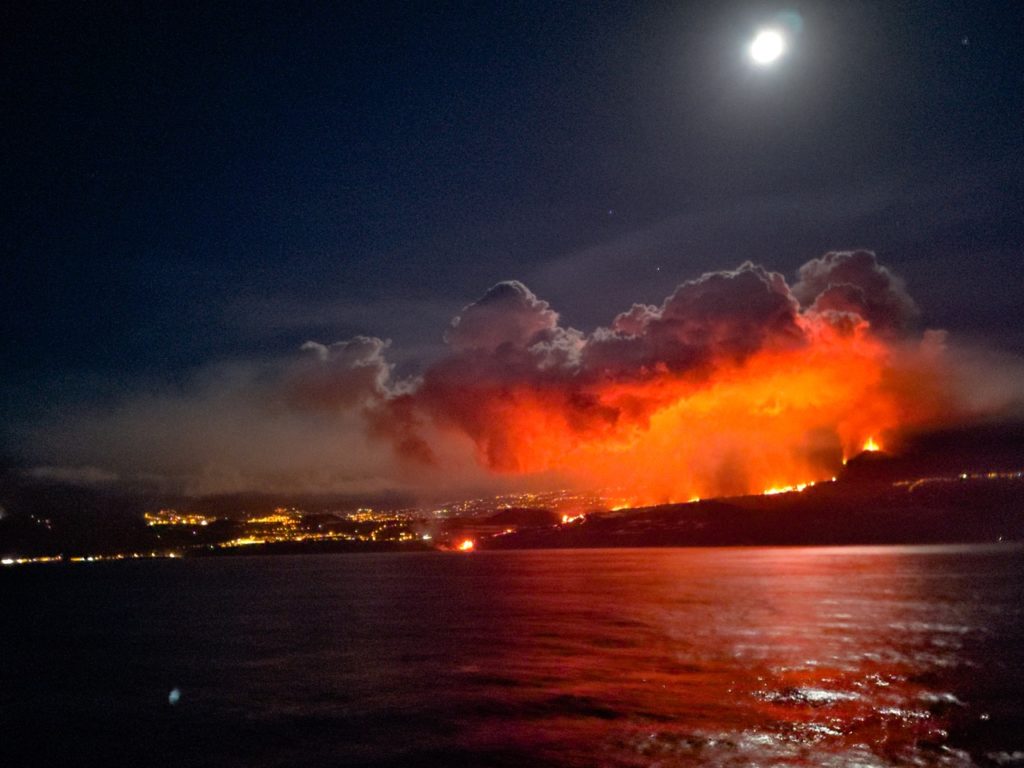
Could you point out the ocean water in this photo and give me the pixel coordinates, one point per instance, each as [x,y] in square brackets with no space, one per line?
[887,656]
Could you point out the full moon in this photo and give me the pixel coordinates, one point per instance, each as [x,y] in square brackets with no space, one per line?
[767,46]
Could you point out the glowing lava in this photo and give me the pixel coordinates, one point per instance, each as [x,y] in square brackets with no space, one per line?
[775,490]
[871,446]
[466,545]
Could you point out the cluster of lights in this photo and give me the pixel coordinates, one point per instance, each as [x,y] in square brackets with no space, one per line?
[26,560]
[556,500]
[369,515]
[306,536]
[912,485]
[288,519]
[280,516]
[89,558]
[173,517]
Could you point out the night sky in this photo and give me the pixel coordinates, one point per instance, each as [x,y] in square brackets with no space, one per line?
[194,191]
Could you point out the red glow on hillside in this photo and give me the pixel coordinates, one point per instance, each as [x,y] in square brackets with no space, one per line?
[778,420]
[736,384]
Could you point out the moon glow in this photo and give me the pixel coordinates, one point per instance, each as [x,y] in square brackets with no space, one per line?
[767,46]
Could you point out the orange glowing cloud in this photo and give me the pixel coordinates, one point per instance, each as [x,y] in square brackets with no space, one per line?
[737,383]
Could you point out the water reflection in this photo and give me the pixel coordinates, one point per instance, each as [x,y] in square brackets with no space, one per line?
[738,657]
[620,658]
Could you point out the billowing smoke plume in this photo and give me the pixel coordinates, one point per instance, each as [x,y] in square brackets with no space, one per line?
[736,383]
[856,284]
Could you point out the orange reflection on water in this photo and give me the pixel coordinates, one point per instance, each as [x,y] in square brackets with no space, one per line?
[736,656]
[830,665]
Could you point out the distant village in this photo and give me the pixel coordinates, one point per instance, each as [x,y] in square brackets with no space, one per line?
[456,526]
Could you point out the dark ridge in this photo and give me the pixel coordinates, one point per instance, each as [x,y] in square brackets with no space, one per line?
[947,510]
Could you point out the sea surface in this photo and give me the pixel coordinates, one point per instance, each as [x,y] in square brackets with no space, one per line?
[880,656]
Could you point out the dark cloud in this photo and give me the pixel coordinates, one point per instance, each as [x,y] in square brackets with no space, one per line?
[721,315]
[854,283]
